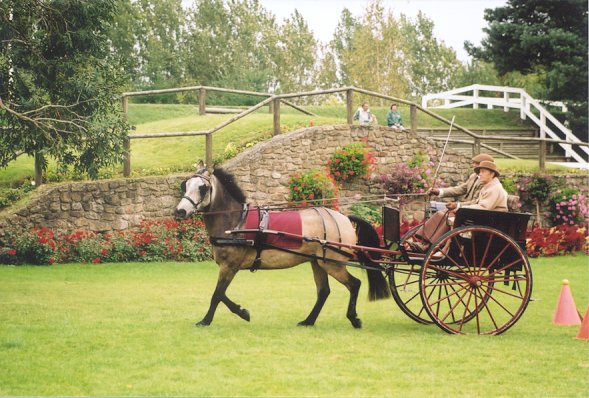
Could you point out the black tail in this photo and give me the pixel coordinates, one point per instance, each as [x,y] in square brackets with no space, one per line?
[367,236]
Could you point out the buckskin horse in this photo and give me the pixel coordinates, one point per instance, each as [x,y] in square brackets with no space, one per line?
[223,207]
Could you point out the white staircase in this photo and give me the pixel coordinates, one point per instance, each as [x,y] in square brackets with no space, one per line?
[511,97]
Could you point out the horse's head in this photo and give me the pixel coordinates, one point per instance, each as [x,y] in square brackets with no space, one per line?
[197,192]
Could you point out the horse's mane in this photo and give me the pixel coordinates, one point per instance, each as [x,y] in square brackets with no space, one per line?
[228,181]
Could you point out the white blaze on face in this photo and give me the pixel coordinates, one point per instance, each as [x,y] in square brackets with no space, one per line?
[196,189]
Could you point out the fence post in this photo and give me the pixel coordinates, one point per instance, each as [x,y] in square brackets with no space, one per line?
[542,155]
[126,142]
[202,100]
[413,118]
[276,113]
[475,99]
[522,103]
[38,169]
[476,147]
[209,150]
[350,106]
[506,99]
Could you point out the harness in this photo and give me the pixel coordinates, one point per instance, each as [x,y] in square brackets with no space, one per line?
[260,243]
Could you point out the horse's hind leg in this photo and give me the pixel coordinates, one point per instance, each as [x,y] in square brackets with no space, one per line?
[341,274]
[322,283]
[225,277]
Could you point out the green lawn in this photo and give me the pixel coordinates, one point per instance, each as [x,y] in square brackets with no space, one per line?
[128,330]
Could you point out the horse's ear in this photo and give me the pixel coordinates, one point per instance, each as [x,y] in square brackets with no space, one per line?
[201,168]
[183,186]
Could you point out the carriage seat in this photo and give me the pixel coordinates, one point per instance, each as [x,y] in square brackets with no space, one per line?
[513,224]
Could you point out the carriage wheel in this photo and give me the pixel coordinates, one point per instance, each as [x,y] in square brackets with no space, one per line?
[404,285]
[484,283]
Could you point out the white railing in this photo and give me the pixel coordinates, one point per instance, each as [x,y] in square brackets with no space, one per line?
[521,100]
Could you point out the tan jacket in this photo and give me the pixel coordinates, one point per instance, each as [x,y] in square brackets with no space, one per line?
[492,196]
[466,193]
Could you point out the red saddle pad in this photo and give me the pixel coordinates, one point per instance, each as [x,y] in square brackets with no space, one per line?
[283,221]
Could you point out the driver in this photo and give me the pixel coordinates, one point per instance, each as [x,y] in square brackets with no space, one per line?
[492,196]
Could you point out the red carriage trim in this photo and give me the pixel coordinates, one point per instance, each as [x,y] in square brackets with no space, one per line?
[283,221]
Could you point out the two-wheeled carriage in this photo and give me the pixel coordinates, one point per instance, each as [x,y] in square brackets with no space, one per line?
[474,279]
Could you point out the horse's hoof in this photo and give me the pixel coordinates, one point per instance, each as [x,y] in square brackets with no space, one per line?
[356,323]
[202,323]
[305,323]
[244,314]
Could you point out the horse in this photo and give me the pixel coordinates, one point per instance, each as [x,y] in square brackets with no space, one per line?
[221,202]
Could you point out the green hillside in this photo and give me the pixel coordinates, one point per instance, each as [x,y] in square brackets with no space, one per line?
[166,155]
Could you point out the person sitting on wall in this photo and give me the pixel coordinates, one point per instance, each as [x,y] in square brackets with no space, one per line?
[364,116]
[465,193]
[492,196]
[394,118]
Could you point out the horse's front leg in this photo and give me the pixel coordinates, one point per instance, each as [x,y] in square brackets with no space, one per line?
[226,275]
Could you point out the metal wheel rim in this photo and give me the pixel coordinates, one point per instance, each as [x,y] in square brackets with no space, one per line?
[475,299]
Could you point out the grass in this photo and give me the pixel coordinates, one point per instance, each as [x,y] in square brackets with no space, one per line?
[128,330]
[163,156]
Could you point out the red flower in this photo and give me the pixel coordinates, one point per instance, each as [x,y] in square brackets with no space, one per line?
[11,252]
[96,260]
[51,260]
[104,251]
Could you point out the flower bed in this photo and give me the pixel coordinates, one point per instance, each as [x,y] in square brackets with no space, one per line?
[165,240]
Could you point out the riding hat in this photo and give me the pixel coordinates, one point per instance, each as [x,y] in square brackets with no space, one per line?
[486,164]
[482,156]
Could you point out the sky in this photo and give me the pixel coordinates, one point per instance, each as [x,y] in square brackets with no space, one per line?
[454,20]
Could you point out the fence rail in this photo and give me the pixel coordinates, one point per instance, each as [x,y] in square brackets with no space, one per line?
[522,101]
[571,143]
[274,101]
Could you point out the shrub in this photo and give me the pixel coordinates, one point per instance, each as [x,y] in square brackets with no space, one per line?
[413,177]
[351,161]
[10,195]
[568,206]
[555,241]
[35,247]
[509,184]
[534,188]
[369,212]
[312,187]
[163,240]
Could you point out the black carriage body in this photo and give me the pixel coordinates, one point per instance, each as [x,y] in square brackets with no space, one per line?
[513,225]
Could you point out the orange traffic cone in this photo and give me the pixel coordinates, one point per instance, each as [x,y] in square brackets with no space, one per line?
[566,313]
[584,331]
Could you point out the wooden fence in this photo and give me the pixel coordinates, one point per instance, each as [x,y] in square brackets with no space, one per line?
[274,102]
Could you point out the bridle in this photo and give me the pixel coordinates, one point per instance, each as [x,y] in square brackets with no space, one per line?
[210,191]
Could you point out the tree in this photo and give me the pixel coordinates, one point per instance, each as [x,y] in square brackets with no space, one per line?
[546,38]
[159,43]
[374,60]
[341,45]
[295,56]
[58,96]
[429,64]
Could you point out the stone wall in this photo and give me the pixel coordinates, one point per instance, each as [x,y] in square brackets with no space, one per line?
[263,172]
[99,206]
